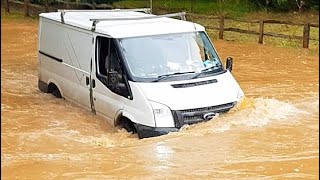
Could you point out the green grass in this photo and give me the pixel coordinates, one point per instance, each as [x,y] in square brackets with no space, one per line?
[236,9]
[14,15]
[131,4]
[291,30]
[11,15]
[233,8]
[204,18]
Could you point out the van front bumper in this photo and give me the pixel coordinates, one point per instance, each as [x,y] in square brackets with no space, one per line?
[182,117]
[147,131]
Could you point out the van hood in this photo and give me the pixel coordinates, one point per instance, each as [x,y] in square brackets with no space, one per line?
[195,93]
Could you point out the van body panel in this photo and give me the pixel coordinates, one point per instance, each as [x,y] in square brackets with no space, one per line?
[74,48]
[225,90]
[105,101]
[138,110]
[124,28]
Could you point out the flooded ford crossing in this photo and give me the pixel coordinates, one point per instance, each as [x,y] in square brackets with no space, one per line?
[272,133]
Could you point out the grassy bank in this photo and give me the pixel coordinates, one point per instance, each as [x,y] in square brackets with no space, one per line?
[233,8]
[274,28]
[206,21]
[15,15]
[236,9]
[11,15]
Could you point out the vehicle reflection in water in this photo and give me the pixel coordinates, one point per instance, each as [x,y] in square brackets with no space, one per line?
[272,134]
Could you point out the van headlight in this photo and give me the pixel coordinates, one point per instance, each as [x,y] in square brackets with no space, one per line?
[240,94]
[162,115]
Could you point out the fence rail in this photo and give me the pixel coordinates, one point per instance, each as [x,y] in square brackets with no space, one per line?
[305,34]
[67,4]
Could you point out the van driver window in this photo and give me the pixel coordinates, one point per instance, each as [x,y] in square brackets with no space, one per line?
[113,62]
[109,70]
[108,59]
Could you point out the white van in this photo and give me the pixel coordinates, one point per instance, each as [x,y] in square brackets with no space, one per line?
[146,73]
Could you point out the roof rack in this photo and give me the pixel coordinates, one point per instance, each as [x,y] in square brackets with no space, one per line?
[182,16]
[64,11]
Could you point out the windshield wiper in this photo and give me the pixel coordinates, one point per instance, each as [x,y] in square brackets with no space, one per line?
[205,70]
[164,76]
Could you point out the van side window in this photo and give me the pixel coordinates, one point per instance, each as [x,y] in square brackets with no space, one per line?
[109,66]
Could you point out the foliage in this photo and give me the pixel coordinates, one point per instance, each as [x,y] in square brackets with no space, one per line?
[88,1]
[231,7]
[100,1]
[236,7]
[286,5]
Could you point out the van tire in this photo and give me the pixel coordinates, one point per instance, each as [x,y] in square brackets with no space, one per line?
[126,124]
[53,89]
[43,86]
[57,93]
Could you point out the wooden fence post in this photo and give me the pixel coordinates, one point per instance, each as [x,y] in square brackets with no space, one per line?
[7,6]
[306,35]
[26,7]
[68,4]
[221,26]
[46,6]
[261,27]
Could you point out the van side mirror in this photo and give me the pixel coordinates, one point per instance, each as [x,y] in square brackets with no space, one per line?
[229,63]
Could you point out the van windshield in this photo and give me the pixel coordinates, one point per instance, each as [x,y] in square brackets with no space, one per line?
[170,54]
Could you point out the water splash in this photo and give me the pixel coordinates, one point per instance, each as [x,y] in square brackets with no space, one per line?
[251,112]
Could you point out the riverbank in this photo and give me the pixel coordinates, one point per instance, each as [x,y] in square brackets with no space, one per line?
[208,21]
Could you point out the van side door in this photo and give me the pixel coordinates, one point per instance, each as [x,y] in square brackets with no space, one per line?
[106,75]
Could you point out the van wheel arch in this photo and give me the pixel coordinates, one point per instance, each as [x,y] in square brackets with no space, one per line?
[127,124]
[53,89]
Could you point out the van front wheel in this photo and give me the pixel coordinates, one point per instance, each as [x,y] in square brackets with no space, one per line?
[126,124]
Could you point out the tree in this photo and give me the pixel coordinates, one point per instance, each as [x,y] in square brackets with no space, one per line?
[286,4]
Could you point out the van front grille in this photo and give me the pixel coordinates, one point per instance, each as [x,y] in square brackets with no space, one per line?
[210,108]
[192,116]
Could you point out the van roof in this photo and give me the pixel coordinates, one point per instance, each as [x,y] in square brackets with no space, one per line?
[124,28]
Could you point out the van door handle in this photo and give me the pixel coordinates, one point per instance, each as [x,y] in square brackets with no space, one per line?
[87,81]
[93,83]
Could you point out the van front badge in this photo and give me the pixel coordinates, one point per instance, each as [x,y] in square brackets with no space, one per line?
[209,116]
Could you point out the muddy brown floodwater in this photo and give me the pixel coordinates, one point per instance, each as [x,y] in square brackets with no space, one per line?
[272,134]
